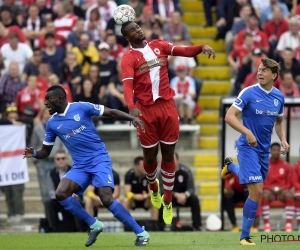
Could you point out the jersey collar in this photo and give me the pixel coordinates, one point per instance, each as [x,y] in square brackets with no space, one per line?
[66,110]
[268,92]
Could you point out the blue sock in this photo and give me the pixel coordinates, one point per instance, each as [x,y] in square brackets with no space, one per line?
[232,167]
[249,214]
[74,207]
[125,217]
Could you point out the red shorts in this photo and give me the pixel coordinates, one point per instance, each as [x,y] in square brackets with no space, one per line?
[161,123]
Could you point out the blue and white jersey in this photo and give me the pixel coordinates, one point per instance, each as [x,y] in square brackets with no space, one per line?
[260,109]
[77,131]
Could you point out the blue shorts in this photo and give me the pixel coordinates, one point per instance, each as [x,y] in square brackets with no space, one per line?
[99,175]
[254,166]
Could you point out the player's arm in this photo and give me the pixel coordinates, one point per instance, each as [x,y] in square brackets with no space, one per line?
[42,153]
[279,128]
[192,51]
[232,120]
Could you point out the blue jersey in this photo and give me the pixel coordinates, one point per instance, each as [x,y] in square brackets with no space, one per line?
[77,131]
[260,109]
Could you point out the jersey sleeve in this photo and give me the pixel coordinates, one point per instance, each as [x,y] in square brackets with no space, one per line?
[242,100]
[49,136]
[92,109]
[127,68]
[167,47]
[281,111]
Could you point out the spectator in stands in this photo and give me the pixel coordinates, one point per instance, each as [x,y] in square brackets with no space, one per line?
[69,73]
[157,30]
[94,77]
[259,6]
[136,189]
[290,39]
[234,192]
[92,200]
[73,39]
[45,10]
[32,67]
[138,7]
[58,218]
[54,80]
[176,27]
[10,85]
[33,26]
[29,103]
[87,93]
[43,76]
[85,54]
[17,12]
[11,117]
[185,92]
[148,16]
[52,54]
[277,187]
[66,21]
[15,51]
[290,89]
[113,28]
[116,49]
[6,32]
[207,5]
[96,27]
[6,17]
[274,28]
[236,57]
[184,192]
[44,166]
[288,62]
[268,13]
[296,185]
[60,41]
[163,10]
[106,9]
[259,37]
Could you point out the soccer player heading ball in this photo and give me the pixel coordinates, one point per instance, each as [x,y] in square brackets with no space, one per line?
[262,106]
[72,123]
[145,78]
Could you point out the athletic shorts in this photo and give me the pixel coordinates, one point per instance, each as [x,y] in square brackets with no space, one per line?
[99,175]
[254,166]
[161,123]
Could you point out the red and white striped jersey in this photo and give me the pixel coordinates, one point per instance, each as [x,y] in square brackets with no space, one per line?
[65,25]
[148,68]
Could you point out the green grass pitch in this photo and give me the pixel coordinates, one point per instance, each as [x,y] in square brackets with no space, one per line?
[124,241]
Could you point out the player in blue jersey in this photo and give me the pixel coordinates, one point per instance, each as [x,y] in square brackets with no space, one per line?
[261,106]
[72,123]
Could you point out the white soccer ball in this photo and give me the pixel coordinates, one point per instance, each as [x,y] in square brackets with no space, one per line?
[123,14]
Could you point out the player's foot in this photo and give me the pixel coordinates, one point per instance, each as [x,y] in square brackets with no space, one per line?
[225,172]
[253,229]
[142,239]
[156,199]
[235,229]
[95,230]
[247,242]
[267,227]
[288,227]
[167,212]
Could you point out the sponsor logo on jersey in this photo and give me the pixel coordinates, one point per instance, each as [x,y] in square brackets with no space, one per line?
[152,64]
[266,112]
[77,118]
[238,101]
[74,132]
[255,178]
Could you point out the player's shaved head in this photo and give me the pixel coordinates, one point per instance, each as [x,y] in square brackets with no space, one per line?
[124,28]
[57,91]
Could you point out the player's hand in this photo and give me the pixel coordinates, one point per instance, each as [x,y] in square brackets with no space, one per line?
[28,153]
[138,123]
[181,198]
[135,112]
[138,197]
[209,51]
[251,139]
[286,147]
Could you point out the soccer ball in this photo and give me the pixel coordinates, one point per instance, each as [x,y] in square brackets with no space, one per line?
[123,14]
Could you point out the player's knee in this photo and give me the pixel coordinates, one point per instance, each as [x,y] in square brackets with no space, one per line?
[60,196]
[107,200]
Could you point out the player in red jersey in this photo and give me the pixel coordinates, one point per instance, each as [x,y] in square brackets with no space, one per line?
[296,185]
[145,78]
[277,187]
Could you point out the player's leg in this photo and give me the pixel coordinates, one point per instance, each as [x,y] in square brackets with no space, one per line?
[120,213]
[267,197]
[194,204]
[297,205]
[287,197]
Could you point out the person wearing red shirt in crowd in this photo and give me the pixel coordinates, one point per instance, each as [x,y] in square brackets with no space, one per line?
[43,77]
[236,56]
[28,102]
[116,49]
[234,192]
[5,32]
[277,187]
[259,37]
[145,78]
[296,185]
[60,41]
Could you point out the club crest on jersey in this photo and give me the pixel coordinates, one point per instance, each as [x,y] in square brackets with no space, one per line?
[77,118]
[97,106]
[157,51]
[276,102]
